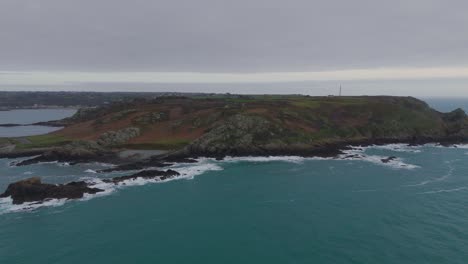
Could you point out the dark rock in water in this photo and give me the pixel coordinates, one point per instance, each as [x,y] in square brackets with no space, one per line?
[155,161]
[146,174]
[387,160]
[352,156]
[33,190]
[135,166]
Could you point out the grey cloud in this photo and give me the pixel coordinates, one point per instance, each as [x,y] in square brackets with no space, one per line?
[230,36]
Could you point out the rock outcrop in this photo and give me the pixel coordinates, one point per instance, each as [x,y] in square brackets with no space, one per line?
[389,159]
[75,152]
[33,190]
[122,136]
[238,134]
[146,174]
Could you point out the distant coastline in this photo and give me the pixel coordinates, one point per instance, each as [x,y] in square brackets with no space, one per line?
[40,107]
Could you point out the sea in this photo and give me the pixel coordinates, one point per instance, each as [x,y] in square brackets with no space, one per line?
[254,210]
[30,116]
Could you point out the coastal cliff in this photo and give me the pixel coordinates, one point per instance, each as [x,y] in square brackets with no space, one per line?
[179,129]
[251,125]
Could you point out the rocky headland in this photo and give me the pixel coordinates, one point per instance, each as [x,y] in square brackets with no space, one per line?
[187,128]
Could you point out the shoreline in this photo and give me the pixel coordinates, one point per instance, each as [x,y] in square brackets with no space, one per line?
[147,174]
[48,123]
[40,108]
[325,150]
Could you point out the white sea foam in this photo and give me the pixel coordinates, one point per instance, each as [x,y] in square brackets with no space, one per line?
[7,206]
[190,170]
[358,153]
[439,179]
[292,159]
[446,190]
[102,164]
[454,146]
[187,171]
[397,148]
[28,172]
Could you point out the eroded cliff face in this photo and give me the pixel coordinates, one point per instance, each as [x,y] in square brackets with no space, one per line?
[391,120]
[238,134]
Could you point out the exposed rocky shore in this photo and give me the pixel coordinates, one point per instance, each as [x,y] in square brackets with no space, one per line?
[308,127]
[33,190]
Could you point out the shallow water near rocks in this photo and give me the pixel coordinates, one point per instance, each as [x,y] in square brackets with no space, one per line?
[256,210]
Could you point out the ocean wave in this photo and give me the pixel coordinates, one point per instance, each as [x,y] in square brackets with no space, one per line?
[446,190]
[454,146]
[7,206]
[358,153]
[102,164]
[397,148]
[439,179]
[190,171]
[203,165]
[461,146]
[292,159]
[186,170]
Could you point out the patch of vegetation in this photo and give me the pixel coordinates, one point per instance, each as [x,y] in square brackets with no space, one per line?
[41,141]
[4,141]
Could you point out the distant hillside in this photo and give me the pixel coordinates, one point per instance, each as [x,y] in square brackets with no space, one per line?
[263,124]
[10,100]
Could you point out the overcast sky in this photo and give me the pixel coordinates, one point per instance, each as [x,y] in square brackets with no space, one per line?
[419,45]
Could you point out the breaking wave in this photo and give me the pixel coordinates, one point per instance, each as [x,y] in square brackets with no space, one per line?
[439,179]
[203,165]
[358,153]
[187,171]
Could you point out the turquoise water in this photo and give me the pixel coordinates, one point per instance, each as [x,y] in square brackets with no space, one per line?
[286,210]
[254,210]
[30,116]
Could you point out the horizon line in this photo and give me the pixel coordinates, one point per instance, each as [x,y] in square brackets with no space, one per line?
[15,78]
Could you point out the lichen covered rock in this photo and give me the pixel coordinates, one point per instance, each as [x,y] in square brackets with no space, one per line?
[119,137]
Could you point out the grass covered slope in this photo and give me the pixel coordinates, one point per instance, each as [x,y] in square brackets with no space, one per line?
[264,124]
